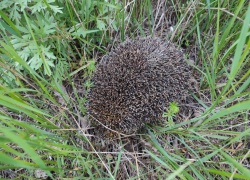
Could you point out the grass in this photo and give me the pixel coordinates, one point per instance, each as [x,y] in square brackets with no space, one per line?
[48,54]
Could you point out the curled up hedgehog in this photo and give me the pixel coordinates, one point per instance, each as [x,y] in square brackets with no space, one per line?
[134,84]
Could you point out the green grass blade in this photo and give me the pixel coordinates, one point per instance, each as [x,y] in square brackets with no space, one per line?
[11,24]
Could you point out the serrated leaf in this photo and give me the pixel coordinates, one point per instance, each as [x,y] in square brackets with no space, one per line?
[6,4]
[56,9]
[100,25]
[14,12]
[114,26]
[37,7]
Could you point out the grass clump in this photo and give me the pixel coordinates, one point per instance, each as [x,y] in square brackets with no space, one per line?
[48,51]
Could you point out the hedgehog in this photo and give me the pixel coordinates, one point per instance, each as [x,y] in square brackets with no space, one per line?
[134,84]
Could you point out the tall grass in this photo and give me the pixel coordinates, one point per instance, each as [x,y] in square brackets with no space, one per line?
[41,50]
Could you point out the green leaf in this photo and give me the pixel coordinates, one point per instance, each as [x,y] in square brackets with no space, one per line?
[84,32]
[9,160]
[178,171]
[13,28]
[100,25]
[9,29]
[14,90]
[111,5]
[241,168]
[236,108]
[227,174]
[240,46]
[15,138]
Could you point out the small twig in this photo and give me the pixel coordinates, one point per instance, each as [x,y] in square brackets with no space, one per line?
[77,14]
[96,153]
[106,126]
[73,129]
[224,10]
[173,34]
[137,168]
[233,126]
[130,153]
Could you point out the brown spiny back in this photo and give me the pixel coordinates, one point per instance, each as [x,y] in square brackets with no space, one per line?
[134,84]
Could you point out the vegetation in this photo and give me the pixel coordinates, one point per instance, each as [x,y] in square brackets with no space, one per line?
[48,51]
